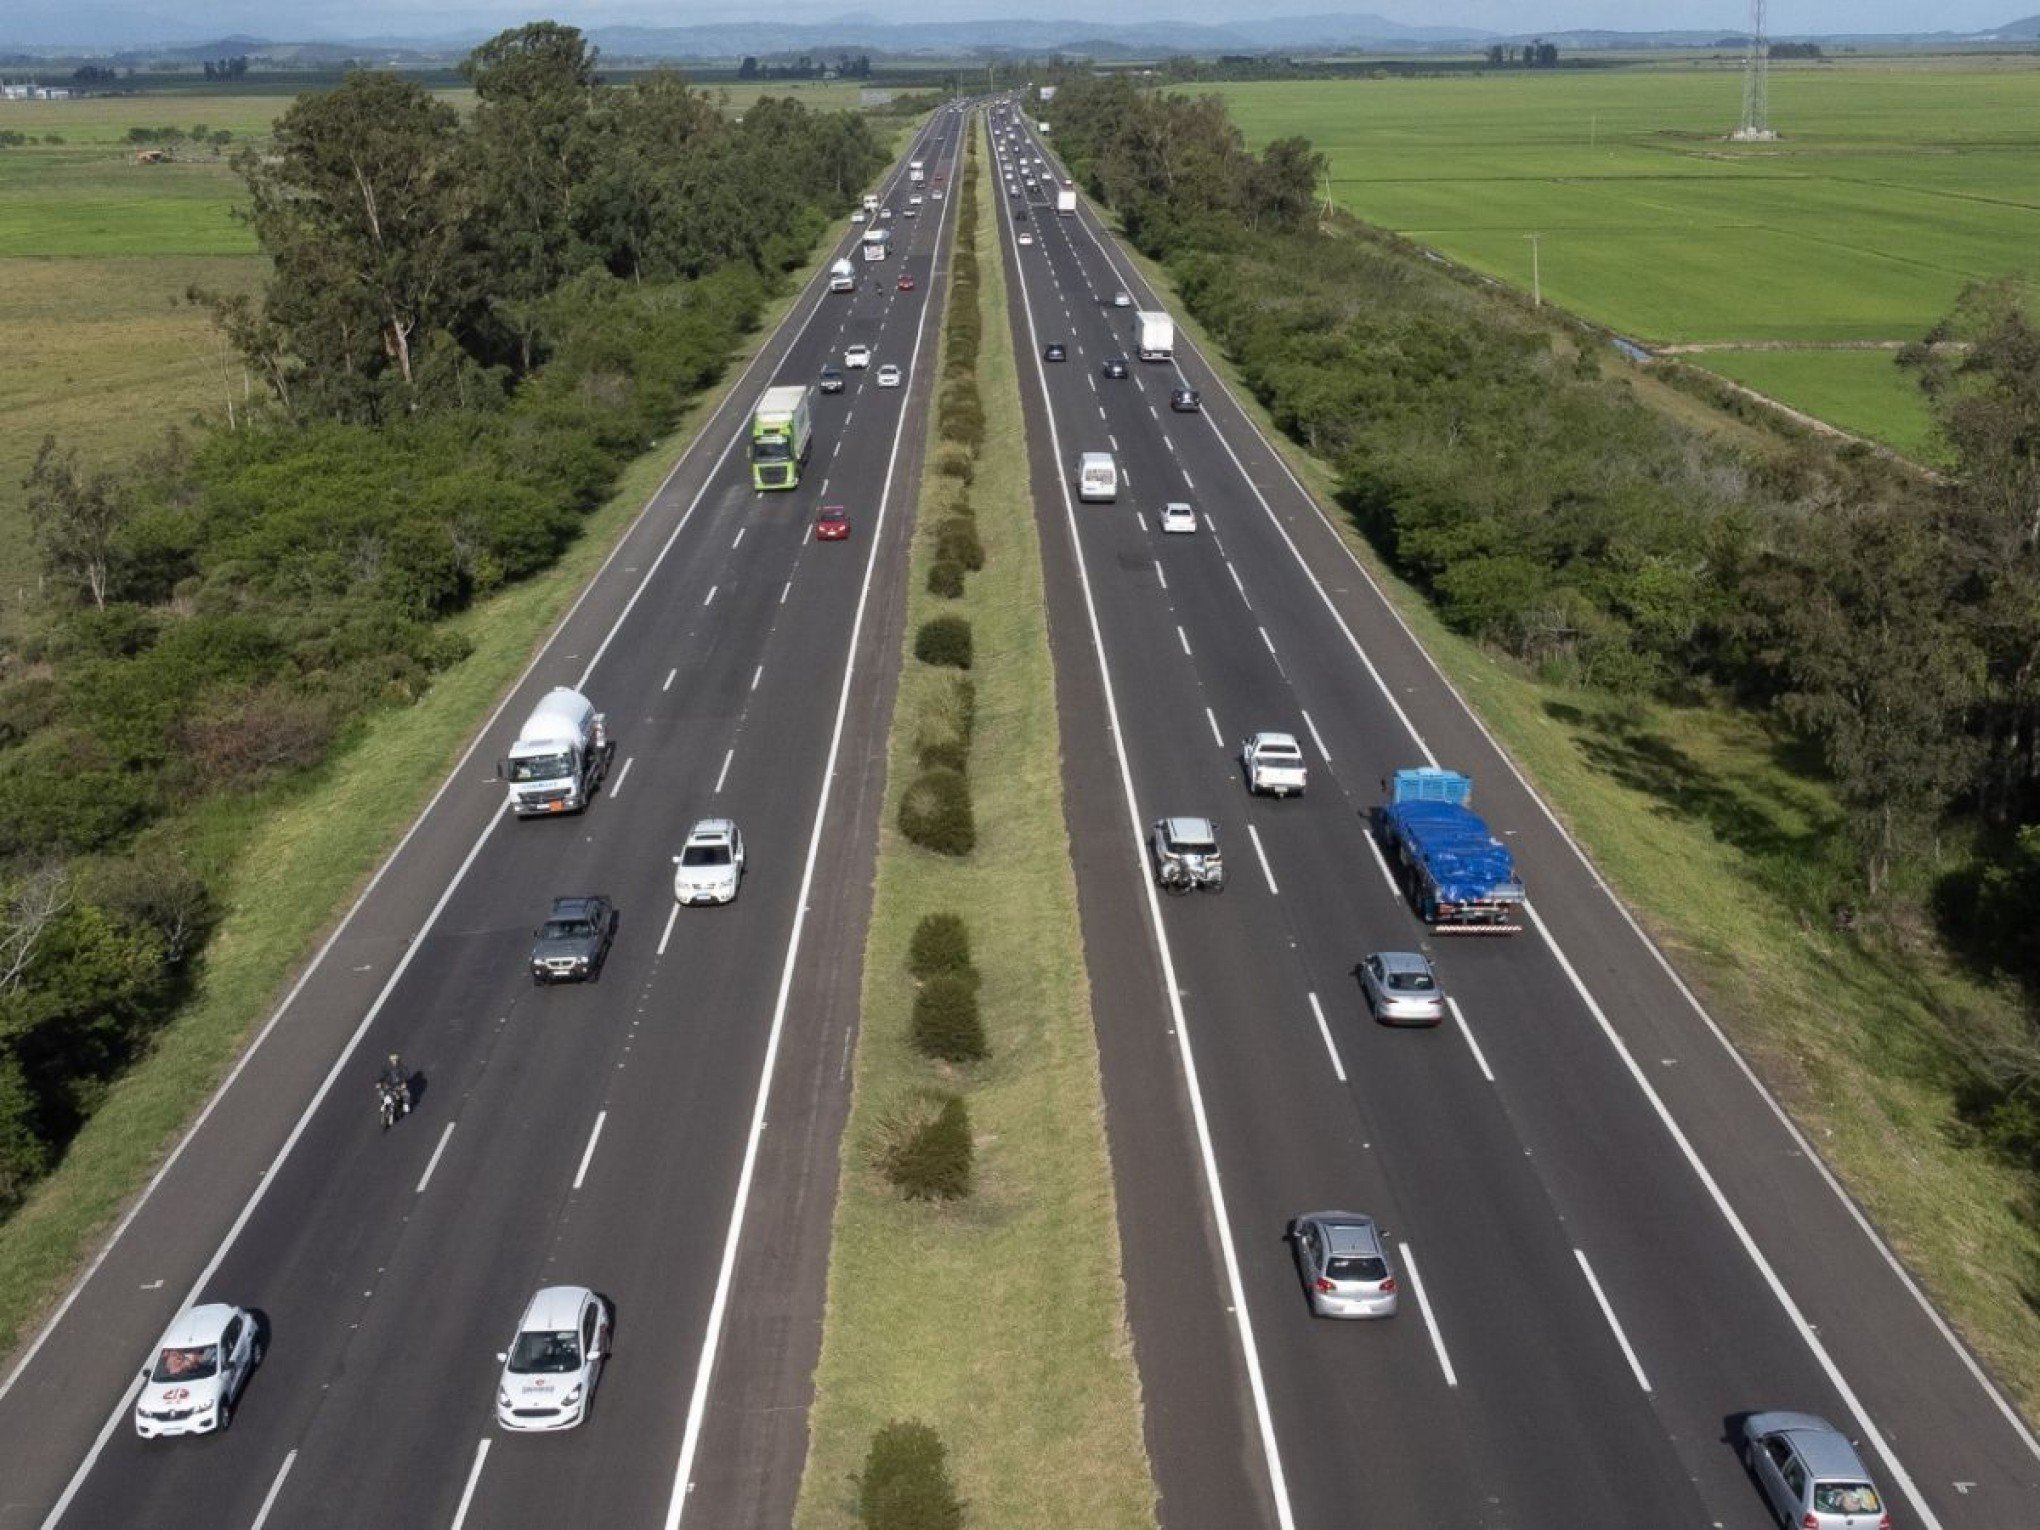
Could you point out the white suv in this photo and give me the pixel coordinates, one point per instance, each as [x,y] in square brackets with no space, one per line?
[857,356]
[711,863]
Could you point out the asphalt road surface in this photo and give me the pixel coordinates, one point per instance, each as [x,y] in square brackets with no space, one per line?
[666,1135]
[1612,1244]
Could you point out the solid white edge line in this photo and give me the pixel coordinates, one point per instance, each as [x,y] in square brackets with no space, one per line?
[1317,738]
[1778,1112]
[1466,1031]
[588,1153]
[666,934]
[1217,737]
[617,790]
[723,774]
[697,1405]
[482,734]
[1614,1324]
[1409,1260]
[1262,855]
[467,1496]
[1326,1032]
[276,1487]
[1250,1353]
[432,1163]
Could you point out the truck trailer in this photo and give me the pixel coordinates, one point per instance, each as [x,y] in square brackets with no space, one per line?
[1154,335]
[917,171]
[1066,202]
[781,432]
[842,277]
[876,242]
[1460,878]
[561,754]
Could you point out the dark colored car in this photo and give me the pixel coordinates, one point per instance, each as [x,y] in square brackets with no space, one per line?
[1114,366]
[573,943]
[1185,401]
[833,524]
[832,380]
[1054,351]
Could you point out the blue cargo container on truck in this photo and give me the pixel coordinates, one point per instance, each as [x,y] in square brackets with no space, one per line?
[1460,878]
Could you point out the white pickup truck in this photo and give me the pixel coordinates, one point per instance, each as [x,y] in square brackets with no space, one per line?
[1273,763]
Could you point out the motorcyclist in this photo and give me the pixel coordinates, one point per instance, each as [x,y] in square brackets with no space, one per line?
[395,1080]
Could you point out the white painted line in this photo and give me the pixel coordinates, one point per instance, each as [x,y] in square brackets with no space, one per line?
[1171,445]
[1182,638]
[1459,1018]
[269,1499]
[711,596]
[757,675]
[1158,569]
[617,790]
[671,675]
[433,1163]
[739,541]
[1608,1312]
[1317,738]
[785,588]
[588,1153]
[1262,855]
[666,934]
[1266,641]
[1394,890]
[1188,481]
[1409,1262]
[1236,583]
[467,1496]
[1326,1032]
[723,774]
[1217,737]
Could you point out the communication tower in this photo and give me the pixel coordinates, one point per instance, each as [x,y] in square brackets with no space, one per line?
[1756,84]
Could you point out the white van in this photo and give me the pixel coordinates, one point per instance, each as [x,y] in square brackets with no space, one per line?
[1097,477]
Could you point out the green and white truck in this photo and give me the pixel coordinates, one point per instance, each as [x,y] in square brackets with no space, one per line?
[781,432]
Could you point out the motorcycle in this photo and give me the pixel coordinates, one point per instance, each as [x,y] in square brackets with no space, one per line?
[393,1100]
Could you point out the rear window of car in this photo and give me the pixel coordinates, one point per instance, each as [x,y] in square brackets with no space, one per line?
[1357,1267]
[1411,982]
[1846,1498]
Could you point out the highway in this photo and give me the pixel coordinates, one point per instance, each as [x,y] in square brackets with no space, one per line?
[1612,1243]
[667,1135]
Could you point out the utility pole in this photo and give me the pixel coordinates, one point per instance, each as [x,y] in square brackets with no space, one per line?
[1536,278]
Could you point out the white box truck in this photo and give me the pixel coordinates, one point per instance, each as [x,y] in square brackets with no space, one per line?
[917,171]
[1097,478]
[1154,335]
[561,754]
[842,277]
[1066,202]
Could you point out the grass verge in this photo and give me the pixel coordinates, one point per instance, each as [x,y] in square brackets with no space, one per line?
[999,1320]
[298,863]
[1705,825]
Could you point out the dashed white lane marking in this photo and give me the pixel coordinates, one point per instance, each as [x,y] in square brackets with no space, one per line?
[723,774]
[1171,445]
[1317,738]
[1266,641]
[269,1501]
[588,1153]
[711,596]
[1160,575]
[617,790]
[1409,1259]
[671,674]
[757,675]
[1262,856]
[1217,737]
[1188,481]
[1183,638]
[1608,1312]
[788,586]
[1326,1032]
[672,914]
[433,1162]
[467,1496]
[1459,1019]
[738,540]
[1236,583]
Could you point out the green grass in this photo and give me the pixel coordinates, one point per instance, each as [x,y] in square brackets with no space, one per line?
[1030,1379]
[297,864]
[1892,188]
[1863,392]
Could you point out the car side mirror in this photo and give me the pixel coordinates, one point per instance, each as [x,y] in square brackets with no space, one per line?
[676,860]
[500,772]
[502,1357]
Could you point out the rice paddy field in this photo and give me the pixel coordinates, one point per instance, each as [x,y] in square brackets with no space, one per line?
[1894,182]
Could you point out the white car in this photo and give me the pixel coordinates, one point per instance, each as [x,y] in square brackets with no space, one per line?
[914,200]
[857,356]
[711,863]
[889,376]
[1121,300]
[1025,237]
[1177,516]
[198,1371]
[858,216]
[554,1361]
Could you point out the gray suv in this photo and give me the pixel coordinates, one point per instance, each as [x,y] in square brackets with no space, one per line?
[573,943]
[1811,1474]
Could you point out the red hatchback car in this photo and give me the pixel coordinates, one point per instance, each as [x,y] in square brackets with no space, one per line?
[906,282]
[833,524]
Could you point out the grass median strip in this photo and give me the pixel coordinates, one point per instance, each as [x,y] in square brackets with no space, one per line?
[996,1319]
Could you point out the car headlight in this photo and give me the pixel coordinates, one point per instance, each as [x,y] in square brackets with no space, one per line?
[572,1399]
[502,1397]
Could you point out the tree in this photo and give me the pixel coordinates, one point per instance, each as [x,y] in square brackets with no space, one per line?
[77,520]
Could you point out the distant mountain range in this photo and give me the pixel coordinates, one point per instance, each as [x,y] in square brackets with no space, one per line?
[52,28]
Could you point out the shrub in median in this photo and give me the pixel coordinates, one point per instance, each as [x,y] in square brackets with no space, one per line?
[931,1159]
[945,641]
[946,1020]
[935,812]
[940,943]
[943,720]
[961,412]
[945,578]
[956,541]
[905,1483]
[957,461]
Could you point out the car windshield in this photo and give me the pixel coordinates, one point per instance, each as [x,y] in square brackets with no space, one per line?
[1357,1267]
[568,929]
[1846,1498]
[191,1364]
[708,855]
[546,1353]
[540,767]
[1411,982]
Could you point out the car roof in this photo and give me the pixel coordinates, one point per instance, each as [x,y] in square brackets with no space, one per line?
[1824,1448]
[1347,1232]
[554,1309]
[1190,828]
[1278,740]
[567,908]
[723,828]
[1402,961]
[198,1326]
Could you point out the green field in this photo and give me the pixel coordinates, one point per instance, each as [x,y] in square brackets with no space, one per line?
[1895,183]
[1863,392]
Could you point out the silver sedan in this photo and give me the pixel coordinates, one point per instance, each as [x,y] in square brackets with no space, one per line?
[1344,1261]
[1401,989]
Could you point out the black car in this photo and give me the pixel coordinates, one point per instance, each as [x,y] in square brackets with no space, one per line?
[1185,401]
[1019,215]
[1054,351]
[573,943]
[1114,366]
[832,380]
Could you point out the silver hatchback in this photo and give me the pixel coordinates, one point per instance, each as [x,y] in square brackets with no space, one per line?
[1401,989]
[1811,1474]
[1344,1261]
